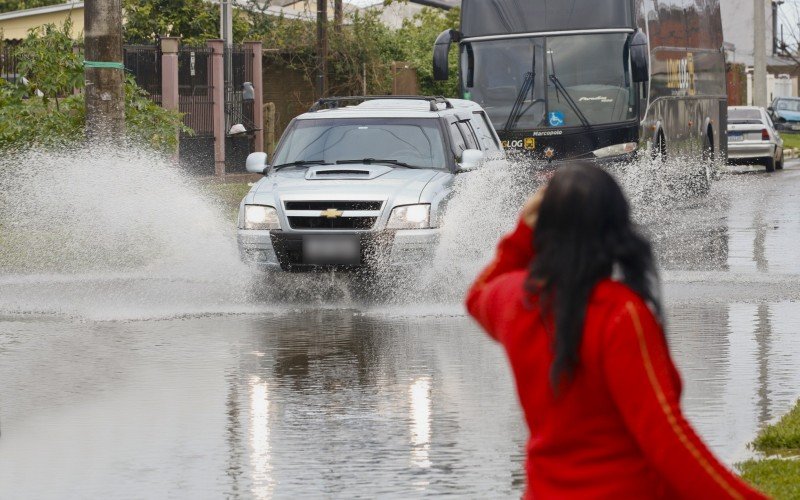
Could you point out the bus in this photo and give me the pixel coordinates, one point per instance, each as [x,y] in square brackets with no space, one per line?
[596,79]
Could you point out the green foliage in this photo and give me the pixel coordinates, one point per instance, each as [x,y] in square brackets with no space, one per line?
[47,60]
[776,477]
[417,36]
[783,435]
[46,112]
[12,5]
[195,21]
[362,43]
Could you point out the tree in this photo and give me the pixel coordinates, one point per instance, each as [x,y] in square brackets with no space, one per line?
[416,37]
[195,21]
[45,111]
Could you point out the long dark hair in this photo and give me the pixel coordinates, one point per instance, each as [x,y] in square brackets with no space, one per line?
[584,234]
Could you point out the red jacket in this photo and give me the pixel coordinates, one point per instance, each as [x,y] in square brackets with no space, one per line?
[616,430]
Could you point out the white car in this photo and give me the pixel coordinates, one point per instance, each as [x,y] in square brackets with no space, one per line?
[361,185]
[752,138]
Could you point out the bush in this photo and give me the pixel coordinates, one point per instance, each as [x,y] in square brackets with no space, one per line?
[43,109]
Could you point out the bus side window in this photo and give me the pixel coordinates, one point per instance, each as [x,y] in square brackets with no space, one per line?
[484,129]
[459,143]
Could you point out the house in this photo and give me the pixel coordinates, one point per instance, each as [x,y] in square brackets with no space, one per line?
[737,28]
[15,25]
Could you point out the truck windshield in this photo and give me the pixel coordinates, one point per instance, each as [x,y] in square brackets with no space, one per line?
[539,82]
[412,141]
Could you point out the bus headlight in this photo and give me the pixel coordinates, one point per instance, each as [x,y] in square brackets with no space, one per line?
[615,150]
[260,217]
[410,217]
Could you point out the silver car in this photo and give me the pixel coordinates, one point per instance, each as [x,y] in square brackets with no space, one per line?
[752,138]
[361,185]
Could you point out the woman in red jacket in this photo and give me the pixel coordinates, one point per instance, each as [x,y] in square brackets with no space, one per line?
[574,305]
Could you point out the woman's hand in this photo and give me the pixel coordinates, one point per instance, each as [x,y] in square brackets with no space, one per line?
[530,211]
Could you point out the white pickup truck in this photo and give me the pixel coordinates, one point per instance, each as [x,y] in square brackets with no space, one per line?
[361,185]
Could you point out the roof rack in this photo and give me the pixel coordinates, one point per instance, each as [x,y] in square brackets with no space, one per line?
[334,102]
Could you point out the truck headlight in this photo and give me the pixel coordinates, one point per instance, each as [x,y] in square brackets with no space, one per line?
[410,217]
[615,150]
[260,217]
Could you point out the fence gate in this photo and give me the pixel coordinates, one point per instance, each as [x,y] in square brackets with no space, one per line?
[196,102]
[238,106]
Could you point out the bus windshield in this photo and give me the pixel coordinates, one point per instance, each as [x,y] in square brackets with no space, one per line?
[544,82]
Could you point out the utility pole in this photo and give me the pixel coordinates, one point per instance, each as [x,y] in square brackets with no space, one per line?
[104,71]
[226,33]
[322,47]
[338,15]
[759,54]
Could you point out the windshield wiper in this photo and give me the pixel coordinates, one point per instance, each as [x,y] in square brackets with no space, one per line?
[563,91]
[370,161]
[516,113]
[299,163]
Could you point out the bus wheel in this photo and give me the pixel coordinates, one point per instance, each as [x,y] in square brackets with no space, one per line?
[706,169]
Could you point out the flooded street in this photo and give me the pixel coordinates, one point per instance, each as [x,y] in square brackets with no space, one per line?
[192,380]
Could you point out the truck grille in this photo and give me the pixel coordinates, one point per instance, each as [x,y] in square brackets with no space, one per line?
[338,205]
[360,223]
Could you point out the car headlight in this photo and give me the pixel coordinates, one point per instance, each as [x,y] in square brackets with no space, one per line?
[615,150]
[410,217]
[260,217]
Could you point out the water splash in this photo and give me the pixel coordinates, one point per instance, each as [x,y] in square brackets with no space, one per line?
[112,234]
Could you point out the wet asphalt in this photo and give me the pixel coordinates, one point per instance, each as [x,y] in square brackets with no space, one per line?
[186,394]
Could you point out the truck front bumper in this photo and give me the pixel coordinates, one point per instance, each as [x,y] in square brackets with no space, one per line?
[279,250]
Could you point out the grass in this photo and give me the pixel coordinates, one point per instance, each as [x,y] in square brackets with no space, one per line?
[790,140]
[778,477]
[227,193]
[781,436]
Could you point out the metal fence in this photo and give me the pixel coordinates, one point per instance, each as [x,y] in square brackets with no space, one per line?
[195,96]
[196,99]
[239,105]
[8,63]
[144,63]
[238,73]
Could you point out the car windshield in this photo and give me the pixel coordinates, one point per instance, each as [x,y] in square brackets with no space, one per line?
[744,115]
[557,81]
[787,105]
[413,141]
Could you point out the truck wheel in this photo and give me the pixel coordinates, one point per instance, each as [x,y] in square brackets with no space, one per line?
[770,164]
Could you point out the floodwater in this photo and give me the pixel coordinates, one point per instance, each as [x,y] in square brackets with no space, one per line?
[179,374]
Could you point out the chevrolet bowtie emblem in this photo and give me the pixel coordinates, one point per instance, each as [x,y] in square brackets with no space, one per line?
[331,213]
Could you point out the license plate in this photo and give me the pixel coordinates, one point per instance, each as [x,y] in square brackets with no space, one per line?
[735,137]
[334,249]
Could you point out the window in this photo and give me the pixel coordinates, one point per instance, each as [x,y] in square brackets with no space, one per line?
[417,142]
[469,135]
[484,130]
[459,143]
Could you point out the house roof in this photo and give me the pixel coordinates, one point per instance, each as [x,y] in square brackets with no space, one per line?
[37,11]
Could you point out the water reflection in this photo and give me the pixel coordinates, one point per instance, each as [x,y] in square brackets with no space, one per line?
[420,397]
[260,459]
[736,379]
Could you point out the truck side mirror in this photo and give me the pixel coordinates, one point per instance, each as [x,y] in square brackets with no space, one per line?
[640,56]
[256,163]
[470,160]
[441,53]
